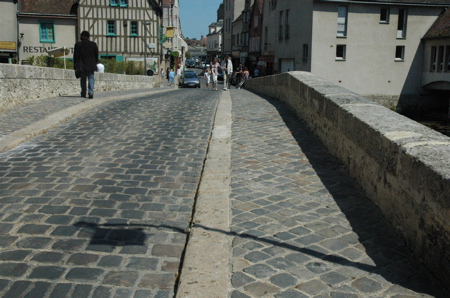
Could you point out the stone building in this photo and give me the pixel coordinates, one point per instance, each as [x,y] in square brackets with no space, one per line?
[436,64]
[232,10]
[214,40]
[45,25]
[244,35]
[173,35]
[255,36]
[373,48]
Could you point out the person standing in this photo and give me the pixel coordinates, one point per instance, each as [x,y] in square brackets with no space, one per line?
[100,67]
[214,73]
[207,77]
[256,73]
[171,76]
[239,74]
[85,59]
[162,74]
[227,66]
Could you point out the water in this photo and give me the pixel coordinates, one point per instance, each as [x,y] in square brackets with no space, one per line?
[442,126]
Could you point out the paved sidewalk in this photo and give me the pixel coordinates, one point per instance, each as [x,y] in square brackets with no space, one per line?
[21,122]
[302,227]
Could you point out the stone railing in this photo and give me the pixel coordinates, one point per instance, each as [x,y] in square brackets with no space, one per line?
[402,165]
[19,83]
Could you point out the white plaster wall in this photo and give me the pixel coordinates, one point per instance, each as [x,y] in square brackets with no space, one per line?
[65,36]
[8,21]
[370,67]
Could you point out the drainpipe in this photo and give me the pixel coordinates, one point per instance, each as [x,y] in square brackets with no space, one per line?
[448,109]
[19,39]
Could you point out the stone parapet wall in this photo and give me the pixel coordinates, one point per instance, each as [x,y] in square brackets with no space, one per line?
[402,165]
[20,83]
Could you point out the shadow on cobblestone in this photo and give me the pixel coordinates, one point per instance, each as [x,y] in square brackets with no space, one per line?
[120,234]
[389,256]
[301,225]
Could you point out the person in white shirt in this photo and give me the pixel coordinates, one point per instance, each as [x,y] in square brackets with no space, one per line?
[207,76]
[100,67]
[227,67]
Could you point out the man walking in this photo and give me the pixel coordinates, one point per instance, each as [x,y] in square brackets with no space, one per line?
[85,58]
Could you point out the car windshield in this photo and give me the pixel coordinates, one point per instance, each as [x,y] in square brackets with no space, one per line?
[189,75]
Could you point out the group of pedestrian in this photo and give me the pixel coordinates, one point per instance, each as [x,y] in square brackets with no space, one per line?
[169,74]
[86,62]
[211,74]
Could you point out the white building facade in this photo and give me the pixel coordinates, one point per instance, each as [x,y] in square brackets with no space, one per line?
[232,10]
[9,35]
[372,48]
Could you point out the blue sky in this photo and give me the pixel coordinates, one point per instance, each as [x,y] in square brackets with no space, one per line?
[197,15]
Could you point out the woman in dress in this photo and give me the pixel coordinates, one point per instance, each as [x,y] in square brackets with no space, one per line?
[207,76]
[215,73]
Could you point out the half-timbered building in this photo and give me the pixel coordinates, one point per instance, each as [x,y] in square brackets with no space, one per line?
[124,30]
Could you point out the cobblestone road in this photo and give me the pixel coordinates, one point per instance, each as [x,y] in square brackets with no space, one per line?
[99,206]
[304,228]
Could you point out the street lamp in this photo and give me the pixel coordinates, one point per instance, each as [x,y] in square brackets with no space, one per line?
[145,46]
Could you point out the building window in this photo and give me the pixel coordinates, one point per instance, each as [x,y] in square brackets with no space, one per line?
[124,3]
[266,36]
[340,52]
[134,28]
[400,53]
[273,4]
[305,52]
[447,58]
[441,58]
[433,61]
[255,22]
[47,32]
[401,26]
[280,26]
[111,28]
[384,15]
[113,3]
[286,25]
[342,21]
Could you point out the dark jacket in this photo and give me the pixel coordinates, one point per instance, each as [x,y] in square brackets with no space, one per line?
[86,51]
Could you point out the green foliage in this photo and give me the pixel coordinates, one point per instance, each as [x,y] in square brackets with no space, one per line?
[42,61]
[31,60]
[188,55]
[46,61]
[111,65]
[122,67]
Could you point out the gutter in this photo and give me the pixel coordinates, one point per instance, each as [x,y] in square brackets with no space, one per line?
[59,16]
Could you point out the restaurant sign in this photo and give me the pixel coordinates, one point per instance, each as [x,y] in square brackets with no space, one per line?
[8,45]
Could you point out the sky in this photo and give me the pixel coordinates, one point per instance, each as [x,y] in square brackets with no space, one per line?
[197,15]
